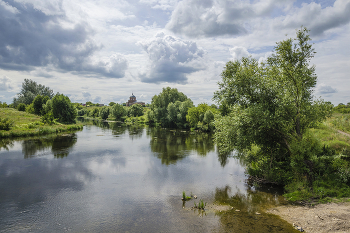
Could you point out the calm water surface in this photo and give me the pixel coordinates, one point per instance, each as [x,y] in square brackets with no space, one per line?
[109,178]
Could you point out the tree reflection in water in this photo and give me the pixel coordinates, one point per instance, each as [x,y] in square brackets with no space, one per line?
[6,144]
[60,145]
[173,145]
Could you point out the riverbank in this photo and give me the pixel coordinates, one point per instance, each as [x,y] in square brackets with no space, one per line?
[330,217]
[28,125]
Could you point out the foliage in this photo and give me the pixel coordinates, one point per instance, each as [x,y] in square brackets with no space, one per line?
[3,105]
[5,124]
[168,109]
[30,108]
[95,112]
[30,89]
[118,112]
[83,112]
[78,106]
[271,106]
[111,104]
[176,114]
[47,107]
[21,107]
[104,112]
[135,110]
[202,114]
[62,109]
[48,118]
[38,104]
[342,108]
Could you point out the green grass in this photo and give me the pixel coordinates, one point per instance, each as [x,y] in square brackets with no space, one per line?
[327,132]
[26,124]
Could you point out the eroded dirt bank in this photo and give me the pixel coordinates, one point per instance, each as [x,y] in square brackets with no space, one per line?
[331,217]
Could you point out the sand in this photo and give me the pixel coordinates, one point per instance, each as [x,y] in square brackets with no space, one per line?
[331,217]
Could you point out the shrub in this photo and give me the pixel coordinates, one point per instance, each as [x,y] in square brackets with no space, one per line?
[48,118]
[21,107]
[95,113]
[104,112]
[5,124]
[30,109]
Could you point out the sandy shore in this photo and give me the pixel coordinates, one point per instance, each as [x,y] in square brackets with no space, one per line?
[332,217]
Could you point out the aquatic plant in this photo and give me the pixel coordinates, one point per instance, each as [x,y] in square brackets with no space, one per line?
[184,197]
[201,205]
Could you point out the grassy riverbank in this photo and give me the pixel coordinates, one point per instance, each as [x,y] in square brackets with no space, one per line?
[331,168]
[26,124]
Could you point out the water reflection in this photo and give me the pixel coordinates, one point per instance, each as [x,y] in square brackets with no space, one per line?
[135,131]
[173,145]
[247,214]
[116,178]
[6,143]
[60,145]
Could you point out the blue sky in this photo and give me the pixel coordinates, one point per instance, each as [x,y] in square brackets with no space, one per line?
[103,51]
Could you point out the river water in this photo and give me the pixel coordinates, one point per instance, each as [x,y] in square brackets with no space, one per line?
[112,178]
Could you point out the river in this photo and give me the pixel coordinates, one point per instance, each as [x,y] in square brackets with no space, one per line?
[113,178]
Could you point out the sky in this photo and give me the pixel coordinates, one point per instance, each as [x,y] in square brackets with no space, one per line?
[105,50]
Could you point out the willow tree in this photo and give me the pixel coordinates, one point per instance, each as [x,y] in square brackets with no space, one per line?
[272,107]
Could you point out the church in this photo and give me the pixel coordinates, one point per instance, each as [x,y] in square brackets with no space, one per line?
[133,100]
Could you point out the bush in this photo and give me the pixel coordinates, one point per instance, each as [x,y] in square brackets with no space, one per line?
[95,113]
[48,118]
[83,112]
[21,107]
[62,109]
[38,104]
[30,109]
[5,124]
[135,110]
[118,112]
[104,112]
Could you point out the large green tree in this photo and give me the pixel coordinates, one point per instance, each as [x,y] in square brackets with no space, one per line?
[271,107]
[30,89]
[118,111]
[63,109]
[163,113]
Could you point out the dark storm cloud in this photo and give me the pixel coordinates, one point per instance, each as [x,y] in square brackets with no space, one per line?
[30,38]
[171,59]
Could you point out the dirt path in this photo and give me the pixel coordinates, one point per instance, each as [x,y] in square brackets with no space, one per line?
[341,132]
[332,217]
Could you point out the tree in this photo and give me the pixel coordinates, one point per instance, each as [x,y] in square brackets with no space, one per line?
[95,112]
[135,110]
[111,104]
[118,111]
[38,104]
[104,112]
[159,105]
[271,107]
[196,114]
[30,89]
[62,109]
